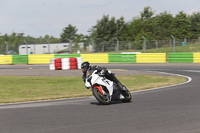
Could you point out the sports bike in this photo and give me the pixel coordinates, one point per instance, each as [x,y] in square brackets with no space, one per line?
[105,90]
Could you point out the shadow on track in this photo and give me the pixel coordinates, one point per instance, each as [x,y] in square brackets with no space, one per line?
[111,103]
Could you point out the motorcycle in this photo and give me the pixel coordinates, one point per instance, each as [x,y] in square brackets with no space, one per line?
[105,90]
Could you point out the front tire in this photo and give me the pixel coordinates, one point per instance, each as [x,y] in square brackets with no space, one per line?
[103,99]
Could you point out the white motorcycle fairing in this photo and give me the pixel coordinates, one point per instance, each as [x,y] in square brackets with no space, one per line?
[93,78]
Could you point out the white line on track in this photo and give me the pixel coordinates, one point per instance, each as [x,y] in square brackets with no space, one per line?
[189,79]
[191,71]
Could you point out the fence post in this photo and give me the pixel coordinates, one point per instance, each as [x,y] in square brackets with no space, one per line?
[174,44]
[156,44]
[92,45]
[144,44]
[6,47]
[70,42]
[117,44]
[26,47]
[48,46]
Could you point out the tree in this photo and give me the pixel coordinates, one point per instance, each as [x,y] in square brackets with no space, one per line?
[69,33]
[79,38]
[50,39]
[181,27]
[105,31]
[195,25]
[133,28]
[121,29]
[147,13]
[15,39]
[162,29]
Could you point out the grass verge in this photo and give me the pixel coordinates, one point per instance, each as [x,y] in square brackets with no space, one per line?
[33,88]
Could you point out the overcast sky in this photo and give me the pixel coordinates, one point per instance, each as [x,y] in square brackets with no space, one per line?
[40,17]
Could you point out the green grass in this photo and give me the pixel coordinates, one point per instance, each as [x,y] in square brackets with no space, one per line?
[33,88]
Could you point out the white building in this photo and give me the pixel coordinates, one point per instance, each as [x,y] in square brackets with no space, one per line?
[26,49]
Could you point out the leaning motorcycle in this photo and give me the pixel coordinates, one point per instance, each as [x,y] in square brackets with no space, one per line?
[105,90]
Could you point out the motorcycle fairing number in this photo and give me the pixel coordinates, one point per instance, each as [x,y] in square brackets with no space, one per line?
[105,81]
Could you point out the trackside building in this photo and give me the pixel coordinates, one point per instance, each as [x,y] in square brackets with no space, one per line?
[27,49]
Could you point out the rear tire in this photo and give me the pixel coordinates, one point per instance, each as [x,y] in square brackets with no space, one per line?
[103,99]
[128,97]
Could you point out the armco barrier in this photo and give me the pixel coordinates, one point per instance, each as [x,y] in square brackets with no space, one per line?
[196,57]
[95,58]
[40,59]
[151,58]
[122,58]
[180,57]
[20,59]
[5,59]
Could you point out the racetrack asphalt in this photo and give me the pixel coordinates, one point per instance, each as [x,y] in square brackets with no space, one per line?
[173,109]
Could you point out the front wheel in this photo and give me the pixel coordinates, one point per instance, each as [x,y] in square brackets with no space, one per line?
[103,99]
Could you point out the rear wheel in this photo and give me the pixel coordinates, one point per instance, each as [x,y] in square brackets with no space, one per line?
[127,96]
[103,99]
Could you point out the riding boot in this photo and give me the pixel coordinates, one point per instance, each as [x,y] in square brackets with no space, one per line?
[121,88]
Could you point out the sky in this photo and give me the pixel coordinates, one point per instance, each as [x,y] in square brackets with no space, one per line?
[40,17]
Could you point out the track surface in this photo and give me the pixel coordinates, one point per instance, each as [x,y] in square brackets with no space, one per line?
[167,110]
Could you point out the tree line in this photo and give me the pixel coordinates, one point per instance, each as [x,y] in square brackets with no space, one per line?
[150,25]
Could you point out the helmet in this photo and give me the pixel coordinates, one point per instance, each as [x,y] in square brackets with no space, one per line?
[85,66]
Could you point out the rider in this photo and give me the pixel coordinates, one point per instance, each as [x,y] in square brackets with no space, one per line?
[103,72]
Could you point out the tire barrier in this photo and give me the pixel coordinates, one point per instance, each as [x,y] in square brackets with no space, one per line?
[73,63]
[102,58]
[58,63]
[6,59]
[20,59]
[151,58]
[122,58]
[79,61]
[196,57]
[180,57]
[40,59]
[65,63]
[95,58]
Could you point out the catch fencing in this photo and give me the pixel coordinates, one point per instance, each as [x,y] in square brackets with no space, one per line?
[142,46]
[93,47]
